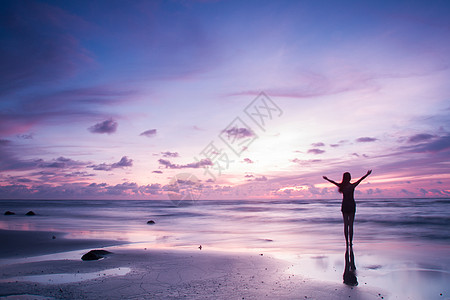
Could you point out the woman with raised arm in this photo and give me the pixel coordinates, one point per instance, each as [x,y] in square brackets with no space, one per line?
[348,207]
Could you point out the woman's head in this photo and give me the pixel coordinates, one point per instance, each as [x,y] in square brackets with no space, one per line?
[346,177]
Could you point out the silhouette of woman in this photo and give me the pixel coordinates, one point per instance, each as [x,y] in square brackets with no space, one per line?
[348,207]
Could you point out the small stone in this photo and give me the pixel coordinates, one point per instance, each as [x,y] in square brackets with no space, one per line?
[9,213]
[95,254]
[151,222]
[30,213]
[53,237]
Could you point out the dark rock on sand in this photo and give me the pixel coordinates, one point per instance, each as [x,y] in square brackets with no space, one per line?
[151,222]
[9,213]
[30,213]
[95,254]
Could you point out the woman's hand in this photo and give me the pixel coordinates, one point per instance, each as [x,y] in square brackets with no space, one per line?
[369,172]
[325,177]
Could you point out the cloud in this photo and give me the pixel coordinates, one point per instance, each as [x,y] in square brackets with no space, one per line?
[157,172]
[316,151]
[239,133]
[124,162]
[421,137]
[248,160]
[77,190]
[305,162]
[109,126]
[79,174]
[149,133]
[437,145]
[61,162]
[366,139]
[26,136]
[262,178]
[195,165]
[170,154]
[319,144]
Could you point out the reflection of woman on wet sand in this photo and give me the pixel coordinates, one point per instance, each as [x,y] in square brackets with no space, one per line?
[348,207]
[349,275]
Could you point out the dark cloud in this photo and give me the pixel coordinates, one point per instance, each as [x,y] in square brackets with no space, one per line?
[26,136]
[316,151]
[437,145]
[195,165]
[305,162]
[170,154]
[421,137]
[103,184]
[79,174]
[366,139]
[262,178]
[319,144]
[334,145]
[149,133]
[24,180]
[109,126]
[121,188]
[157,172]
[238,133]
[61,162]
[79,190]
[124,162]
[10,160]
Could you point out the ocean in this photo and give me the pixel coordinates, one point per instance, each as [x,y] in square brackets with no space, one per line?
[391,235]
[297,225]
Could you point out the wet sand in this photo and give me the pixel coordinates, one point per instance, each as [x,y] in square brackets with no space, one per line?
[135,272]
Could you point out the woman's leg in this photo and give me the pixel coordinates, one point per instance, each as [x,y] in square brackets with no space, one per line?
[346,221]
[351,219]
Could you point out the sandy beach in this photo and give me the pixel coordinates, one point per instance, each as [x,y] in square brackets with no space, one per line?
[250,250]
[133,272]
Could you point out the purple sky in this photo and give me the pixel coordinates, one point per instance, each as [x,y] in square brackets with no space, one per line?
[112,99]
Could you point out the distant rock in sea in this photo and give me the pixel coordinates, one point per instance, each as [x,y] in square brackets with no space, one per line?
[9,213]
[151,222]
[95,254]
[30,213]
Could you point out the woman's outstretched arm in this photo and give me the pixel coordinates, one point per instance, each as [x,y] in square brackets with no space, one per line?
[333,182]
[362,178]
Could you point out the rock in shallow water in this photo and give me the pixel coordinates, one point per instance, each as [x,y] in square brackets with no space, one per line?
[9,213]
[95,254]
[30,213]
[151,222]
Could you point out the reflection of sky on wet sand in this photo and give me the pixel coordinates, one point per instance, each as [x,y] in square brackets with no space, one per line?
[69,277]
[409,276]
